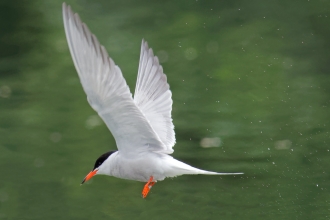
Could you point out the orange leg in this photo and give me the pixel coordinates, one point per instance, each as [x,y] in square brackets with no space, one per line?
[147,187]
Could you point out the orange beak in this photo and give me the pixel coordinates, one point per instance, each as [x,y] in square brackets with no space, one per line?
[89,176]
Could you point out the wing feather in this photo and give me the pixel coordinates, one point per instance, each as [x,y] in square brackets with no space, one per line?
[106,89]
[154,98]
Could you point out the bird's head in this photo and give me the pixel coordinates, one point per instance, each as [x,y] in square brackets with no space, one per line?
[99,166]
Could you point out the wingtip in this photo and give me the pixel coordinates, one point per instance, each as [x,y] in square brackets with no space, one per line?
[65,7]
[66,11]
[145,44]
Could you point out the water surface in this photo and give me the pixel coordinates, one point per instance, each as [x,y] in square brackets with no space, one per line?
[251,76]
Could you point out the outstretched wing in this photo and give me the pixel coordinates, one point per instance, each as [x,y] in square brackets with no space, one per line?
[106,89]
[154,98]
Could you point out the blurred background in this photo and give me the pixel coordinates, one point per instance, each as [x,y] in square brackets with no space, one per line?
[250,83]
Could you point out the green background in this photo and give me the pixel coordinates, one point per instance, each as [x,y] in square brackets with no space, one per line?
[254,74]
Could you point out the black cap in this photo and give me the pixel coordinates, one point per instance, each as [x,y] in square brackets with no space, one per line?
[102,158]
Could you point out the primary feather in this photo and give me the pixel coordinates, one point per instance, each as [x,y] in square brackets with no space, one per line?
[132,125]
[154,98]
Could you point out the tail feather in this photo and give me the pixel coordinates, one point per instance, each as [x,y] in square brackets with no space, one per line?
[205,172]
[179,168]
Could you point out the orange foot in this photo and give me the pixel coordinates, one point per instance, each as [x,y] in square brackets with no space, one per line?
[148,186]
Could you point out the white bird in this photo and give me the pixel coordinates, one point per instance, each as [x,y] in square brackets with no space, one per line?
[142,127]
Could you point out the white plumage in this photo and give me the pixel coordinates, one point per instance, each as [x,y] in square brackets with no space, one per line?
[107,91]
[154,98]
[142,127]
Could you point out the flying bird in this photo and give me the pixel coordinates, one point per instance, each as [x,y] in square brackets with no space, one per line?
[142,126]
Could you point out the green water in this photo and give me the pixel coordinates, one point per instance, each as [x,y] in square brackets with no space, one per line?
[252,74]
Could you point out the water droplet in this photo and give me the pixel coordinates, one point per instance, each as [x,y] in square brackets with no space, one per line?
[93,121]
[162,56]
[39,162]
[55,137]
[190,53]
[3,196]
[5,91]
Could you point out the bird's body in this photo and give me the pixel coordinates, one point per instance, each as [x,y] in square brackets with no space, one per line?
[137,167]
[141,166]
[142,127]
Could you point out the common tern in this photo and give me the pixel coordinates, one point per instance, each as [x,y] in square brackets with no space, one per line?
[142,126]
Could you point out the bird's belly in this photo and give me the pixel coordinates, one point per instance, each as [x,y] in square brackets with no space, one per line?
[138,169]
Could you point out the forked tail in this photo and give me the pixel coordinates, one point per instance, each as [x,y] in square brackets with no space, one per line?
[205,172]
[179,168]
